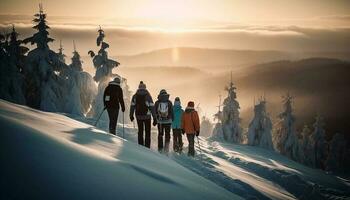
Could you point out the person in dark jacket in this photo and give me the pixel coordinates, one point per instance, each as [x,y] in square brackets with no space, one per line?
[112,98]
[176,125]
[143,107]
[164,115]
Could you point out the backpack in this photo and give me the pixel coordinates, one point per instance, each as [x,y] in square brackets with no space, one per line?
[163,110]
[141,107]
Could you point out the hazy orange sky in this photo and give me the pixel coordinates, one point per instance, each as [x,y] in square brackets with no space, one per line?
[134,27]
[144,25]
[179,13]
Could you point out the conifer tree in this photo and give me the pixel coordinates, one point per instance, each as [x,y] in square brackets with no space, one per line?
[76,61]
[61,55]
[41,37]
[232,131]
[103,74]
[306,150]
[260,128]
[16,51]
[127,94]
[12,56]
[217,131]
[319,144]
[81,88]
[285,138]
[206,127]
[337,154]
[102,63]
[44,87]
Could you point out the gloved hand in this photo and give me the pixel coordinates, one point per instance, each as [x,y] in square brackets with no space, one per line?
[154,122]
[197,133]
[131,118]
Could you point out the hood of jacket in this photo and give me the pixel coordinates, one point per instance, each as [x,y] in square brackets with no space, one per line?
[113,83]
[189,109]
[142,91]
[163,97]
[177,107]
[178,112]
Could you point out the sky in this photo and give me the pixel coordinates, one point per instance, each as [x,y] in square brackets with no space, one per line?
[138,26]
[145,25]
[165,12]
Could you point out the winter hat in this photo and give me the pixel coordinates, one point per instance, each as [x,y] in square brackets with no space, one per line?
[162,92]
[142,85]
[177,102]
[190,104]
[116,80]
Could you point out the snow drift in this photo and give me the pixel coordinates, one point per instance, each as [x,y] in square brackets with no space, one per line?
[50,156]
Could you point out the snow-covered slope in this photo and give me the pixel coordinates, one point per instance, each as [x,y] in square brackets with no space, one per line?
[50,156]
[253,172]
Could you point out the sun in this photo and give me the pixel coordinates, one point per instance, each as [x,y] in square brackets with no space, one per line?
[169,14]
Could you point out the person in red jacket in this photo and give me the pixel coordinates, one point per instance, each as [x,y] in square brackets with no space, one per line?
[191,126]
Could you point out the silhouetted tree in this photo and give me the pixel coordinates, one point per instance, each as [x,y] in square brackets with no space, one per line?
[319,144]
[337,154]
[103,74]
[12,56]
[44,87]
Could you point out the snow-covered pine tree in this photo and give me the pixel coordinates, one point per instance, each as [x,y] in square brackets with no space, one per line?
[260,128]
[337,154]
[103,75]
[40,38]
[44,86]
[306,150]
[217,131]
[127,94]
[12,56]
[77,63]
[232,131]
[16,51]
[81,87]
[285,137]
[319,144]
[61,55]
[102,63]
[206,127]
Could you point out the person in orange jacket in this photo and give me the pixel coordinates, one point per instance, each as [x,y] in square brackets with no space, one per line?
[191,126]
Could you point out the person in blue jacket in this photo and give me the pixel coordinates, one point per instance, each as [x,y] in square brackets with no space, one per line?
[176,126]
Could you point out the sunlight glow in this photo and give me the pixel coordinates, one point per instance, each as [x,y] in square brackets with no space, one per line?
[175,54]
[167,10]
[170,15]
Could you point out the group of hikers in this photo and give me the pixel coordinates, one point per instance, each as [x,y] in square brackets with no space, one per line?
[166,116]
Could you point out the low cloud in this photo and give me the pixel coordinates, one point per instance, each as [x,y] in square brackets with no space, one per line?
[132,40]
[335,17]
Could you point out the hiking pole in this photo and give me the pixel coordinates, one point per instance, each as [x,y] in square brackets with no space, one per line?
[123,125]
[99,116]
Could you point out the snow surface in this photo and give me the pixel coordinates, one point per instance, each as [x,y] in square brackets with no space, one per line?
[50,156]
[251,172]
[84,162]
